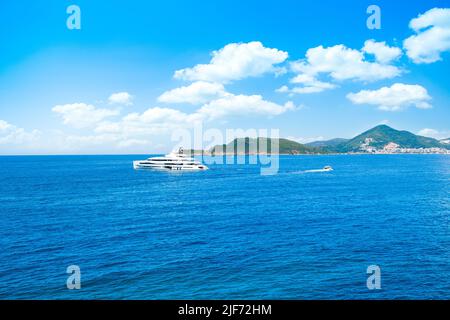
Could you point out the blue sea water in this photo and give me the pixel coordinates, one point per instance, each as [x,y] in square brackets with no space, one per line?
[227,233]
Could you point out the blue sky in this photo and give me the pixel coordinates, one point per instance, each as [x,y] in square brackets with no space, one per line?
[290,65]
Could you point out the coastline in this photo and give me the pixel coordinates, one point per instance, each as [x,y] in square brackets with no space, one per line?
[313,154]
[213,155]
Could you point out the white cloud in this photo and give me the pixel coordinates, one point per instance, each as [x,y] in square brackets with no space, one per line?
[432,133]
[242,105]
[283,89]
[4,125]
[235,61]
[195,93]
[305,90]
[309,85]
[432,36]
[134,129]
[153,121]
[343,63]
[13,135]
[396,97]
[382,52]
[123,98]
[159,120]
[81,115]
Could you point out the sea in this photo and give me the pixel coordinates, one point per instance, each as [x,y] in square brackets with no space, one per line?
[226,233]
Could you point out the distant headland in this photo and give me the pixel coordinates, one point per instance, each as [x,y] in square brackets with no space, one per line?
[381,139]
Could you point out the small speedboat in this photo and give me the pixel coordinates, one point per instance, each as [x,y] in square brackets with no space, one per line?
[324,169]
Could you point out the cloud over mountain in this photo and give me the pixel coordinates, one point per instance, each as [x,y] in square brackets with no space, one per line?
[394,98]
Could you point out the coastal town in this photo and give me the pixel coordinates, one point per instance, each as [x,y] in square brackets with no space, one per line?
[394,148]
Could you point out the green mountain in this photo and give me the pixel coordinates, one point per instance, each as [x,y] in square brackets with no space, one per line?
[375,138]
[380,136]
[263,145]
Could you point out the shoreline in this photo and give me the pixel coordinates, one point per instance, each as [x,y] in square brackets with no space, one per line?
[219,155]
[312,154]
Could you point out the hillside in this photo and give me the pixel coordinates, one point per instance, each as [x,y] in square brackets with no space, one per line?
[372,140]
[260,145]
[263,145]
[380,136]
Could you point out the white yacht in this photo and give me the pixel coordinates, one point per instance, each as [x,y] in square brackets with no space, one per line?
[171,161]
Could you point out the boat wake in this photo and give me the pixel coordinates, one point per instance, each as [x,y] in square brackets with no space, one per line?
[316,170]
[324,169]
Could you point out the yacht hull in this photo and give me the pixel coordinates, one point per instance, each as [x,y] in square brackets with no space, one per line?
[171,167]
